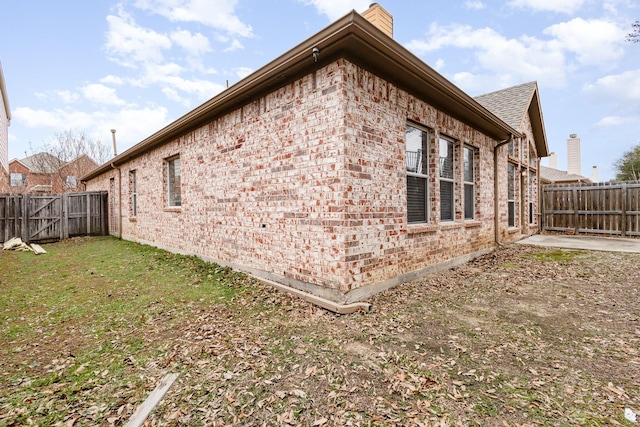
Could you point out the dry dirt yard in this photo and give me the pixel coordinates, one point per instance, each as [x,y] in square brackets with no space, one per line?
[523,336]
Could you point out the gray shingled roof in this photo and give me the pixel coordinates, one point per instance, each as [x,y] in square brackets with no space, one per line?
[42,163]
[510,104]
[552,175]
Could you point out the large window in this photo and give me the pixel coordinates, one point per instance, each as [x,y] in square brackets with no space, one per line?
[18,180]
[511,194]
[134,193]
[417,148]
[447,180]
[469,187]
[173,182]
[532,193]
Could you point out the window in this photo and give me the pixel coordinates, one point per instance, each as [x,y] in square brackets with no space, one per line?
[469,187]
[173,182]
[18,180]
[70,181]
[511,194]
[532,192]
[447,181]
[417,147]
[134,193]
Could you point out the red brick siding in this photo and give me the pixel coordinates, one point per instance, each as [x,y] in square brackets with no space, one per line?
[308,183]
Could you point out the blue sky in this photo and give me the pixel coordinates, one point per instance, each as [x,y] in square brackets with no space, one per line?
[137,65]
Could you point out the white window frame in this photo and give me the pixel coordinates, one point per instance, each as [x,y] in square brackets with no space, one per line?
[174,198]
[445,179]
[469,183]
[134,192]
[421,169]
[70,181]
[512,175]
[14,182]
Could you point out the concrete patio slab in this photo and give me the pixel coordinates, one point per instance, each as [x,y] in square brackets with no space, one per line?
[592,243]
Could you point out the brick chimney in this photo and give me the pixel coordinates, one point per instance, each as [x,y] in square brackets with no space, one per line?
[379,17]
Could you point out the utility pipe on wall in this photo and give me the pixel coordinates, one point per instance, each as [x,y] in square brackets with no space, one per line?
[496,189]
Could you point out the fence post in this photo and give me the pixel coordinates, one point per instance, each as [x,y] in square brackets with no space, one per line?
[17,216]
[623,192]
[64,216]
[576,219]
[88,196]
[25,229]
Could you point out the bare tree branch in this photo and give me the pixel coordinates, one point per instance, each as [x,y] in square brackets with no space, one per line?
[634,36]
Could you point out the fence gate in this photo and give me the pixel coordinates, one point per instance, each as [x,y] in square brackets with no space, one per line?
[45,218]
[606,208]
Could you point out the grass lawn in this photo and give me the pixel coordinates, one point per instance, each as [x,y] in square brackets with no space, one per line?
[522,336]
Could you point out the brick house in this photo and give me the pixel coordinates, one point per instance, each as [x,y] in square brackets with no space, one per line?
[5,120]
[45,173]
[342,168]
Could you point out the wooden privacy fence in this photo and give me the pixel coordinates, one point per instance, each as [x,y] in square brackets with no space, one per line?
[51,217]
[605,208]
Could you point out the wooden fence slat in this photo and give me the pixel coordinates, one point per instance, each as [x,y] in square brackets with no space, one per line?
[51,217]
[606,208]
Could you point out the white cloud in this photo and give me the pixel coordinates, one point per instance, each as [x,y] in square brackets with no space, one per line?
[131,44]
[219,14]
[611,121]
[67,96]
[101,94]
[335,9]
[474,4]
[195,44]
[242,72]
[593,41]
[112,80]
[622,88]
[512,60]
[132,124]
[560,6]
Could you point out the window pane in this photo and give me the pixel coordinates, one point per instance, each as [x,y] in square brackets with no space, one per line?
[446,200]
[417,145]
[173,178]
[512,214]
[416,199]
[468,164]
[446,159]
[510,182]
[469,211]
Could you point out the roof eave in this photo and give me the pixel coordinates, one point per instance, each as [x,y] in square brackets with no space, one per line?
[354,38]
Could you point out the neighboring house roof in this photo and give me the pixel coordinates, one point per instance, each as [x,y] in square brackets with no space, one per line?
[512,104]
[550,175]
[42,163]
[352,37]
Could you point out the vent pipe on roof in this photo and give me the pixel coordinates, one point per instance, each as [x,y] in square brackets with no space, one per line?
[379,17]
[595,174]
[113,136]
[553,160]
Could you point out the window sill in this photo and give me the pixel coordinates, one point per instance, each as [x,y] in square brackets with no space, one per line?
[173,209]
[451,225]
[133,219]
[513,230]
[472,223]
[421,228]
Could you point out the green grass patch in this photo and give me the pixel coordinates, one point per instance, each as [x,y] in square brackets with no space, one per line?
[90,314]
[558,255]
